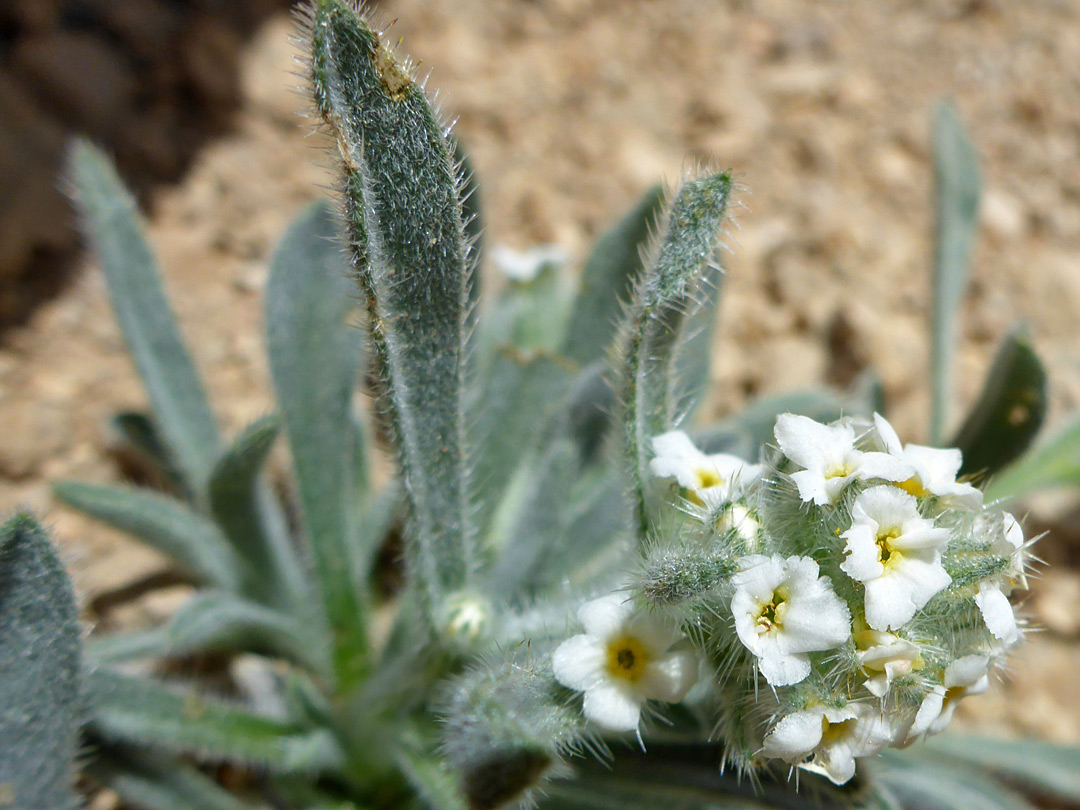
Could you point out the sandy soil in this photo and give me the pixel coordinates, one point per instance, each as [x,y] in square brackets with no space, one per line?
[570,109]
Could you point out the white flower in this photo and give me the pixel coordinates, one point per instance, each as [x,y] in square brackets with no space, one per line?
[997,613]
[783,611]
[969,675]
[934,468]
[829,458]
[525,265]
[1010,543]
[624,658]
[896,554]
[831,738]
[709,480]
[883,657]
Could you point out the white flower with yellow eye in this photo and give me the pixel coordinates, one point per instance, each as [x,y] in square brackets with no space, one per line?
[828,740]
[896,554]
[969,675]
[783,610]
[707,480]
[829,458]
[624,657]
[883,657]
[934,468]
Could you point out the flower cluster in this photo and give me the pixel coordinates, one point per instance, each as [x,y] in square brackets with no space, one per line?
[852,576]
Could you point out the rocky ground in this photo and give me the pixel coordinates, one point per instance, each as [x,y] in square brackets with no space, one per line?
[570,108]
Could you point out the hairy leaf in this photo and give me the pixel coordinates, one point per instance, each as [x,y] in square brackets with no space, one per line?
[607,282]
[1041,768]
[40,663]
[154,782]
[110,220]
[314,362]
[1054,462]
[668,293]
[927,783]
[163,523]
[222,621]
[251,518]
[404,228]
[145,712]
[956,198]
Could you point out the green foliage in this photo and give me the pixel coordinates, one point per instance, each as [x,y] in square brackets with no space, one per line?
[181,411]
[667,295]
[307,311]
[40,663]
[400,638]
[405,231]
[164,523]
[956,205]
[1009,412]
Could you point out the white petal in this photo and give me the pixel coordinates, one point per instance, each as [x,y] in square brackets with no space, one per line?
[1014,534]
[939,465]
[675,445]
[676,468]
[970,672]
[655,633]
[669,677]
[783,669]
[997,613]
[758,576]
[606,616]
[579,662]
[862,561]
[888,507]
[929,711]
[816,618]
[814,488]
[919,533]
[612,707]
[811,444]
[795,736]
[893,598]
[884,466]
[888,435]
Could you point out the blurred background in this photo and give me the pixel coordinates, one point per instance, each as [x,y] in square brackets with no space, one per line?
[569,109]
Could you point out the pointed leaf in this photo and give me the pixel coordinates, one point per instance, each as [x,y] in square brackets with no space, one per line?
[163,523]
[694,360]
[153,782]
[314,362]
[145,712]
[404,227]
[927,783]
[112,648]
[172,383]
[608,280]
[522,392]
[1041,768]
[138,439]
[251,518]
[214,621]
[1054,462]
[1008,413]
[667,294]
[956,198]
[40,690]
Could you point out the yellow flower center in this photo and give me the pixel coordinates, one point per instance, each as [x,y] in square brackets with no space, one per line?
[913,486]
[626,658]
[887,555]
[841,470]
[707,478]
[772,612]
[831,732]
